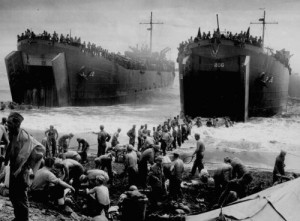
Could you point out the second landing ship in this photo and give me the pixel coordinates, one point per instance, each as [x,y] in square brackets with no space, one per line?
[232,75]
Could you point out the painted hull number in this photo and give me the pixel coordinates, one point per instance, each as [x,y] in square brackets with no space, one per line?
[219,65]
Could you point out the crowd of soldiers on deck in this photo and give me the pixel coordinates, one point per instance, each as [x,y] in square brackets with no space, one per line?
[152,63]
[46,170]
[242,37]
[284,57]
[239,39]
[28,34]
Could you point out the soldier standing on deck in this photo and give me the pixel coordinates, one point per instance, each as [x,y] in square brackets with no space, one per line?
[25,155]
[103,137]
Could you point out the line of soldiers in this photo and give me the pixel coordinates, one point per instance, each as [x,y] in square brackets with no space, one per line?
[231,179]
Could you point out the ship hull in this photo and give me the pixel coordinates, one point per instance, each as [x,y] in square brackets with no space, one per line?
[53,74]
[294,86]
[218,79]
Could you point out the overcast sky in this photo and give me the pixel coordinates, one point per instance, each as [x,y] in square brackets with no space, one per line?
[114,24]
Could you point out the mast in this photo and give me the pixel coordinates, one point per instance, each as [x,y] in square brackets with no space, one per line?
[218,30]
[263,22]
[151,23]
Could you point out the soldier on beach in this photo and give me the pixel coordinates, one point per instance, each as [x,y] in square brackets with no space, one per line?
[45,143]
[199,152]
[73,170]
[64,142]
[222,176]
[24,154]
[156,180]
[52,136]
[105,162]
[147,142]
[103,137]
[83,147]
[279,166]
[140,137]
[47,186]
[235,189]
[155,136]
[147,156]
[177,170]
[114,140]
[131,165]
[132,134]
[184,132]
[238,168]
[101,202]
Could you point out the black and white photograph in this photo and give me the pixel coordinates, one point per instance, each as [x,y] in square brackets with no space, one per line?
[149,110]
